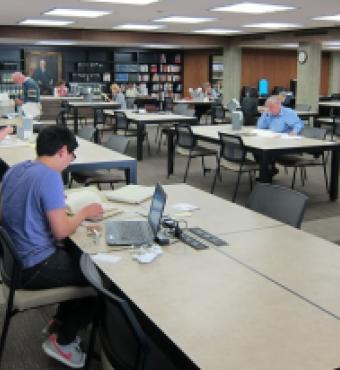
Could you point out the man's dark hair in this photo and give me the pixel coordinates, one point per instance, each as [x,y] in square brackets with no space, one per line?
[53,138]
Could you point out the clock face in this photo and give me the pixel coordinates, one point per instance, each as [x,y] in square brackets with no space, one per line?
[302,56]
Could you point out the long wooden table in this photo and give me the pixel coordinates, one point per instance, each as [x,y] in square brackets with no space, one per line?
[142,119]
[90,156]
[229,307]
[266,148]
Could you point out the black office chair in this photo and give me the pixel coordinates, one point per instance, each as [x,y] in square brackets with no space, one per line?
[218,115]
[102,123]
[69,115]
[307,159]
[186,145]
[61,118]
[130,102]
[122,127]
[233,157]
[125,345]
[282,204]
[19,300]
[249,106]
[87,133]
[116,143]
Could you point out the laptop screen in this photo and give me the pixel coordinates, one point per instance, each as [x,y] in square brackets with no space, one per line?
[157,208]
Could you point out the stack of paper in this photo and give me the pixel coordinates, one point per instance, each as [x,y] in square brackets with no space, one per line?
[80,198]
[132,194]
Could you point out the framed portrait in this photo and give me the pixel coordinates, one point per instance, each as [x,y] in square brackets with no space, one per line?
[45,68]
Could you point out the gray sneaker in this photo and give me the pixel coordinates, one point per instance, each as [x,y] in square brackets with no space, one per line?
[69,354]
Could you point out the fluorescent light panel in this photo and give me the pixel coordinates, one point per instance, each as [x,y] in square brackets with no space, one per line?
[138,27]
[332,18]
[124,2]
[217,31]
[82,13]
[56,42]
[184,19]
[160,46]
[252,8]
[272,26]
[45,22]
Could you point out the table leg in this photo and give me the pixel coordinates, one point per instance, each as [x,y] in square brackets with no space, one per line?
[131,173]
[95,137]
[140,136]
[265,161]
[334,180]
[171,151]
[75,120]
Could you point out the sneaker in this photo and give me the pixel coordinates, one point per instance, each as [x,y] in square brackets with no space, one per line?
[52,327]
[69,354]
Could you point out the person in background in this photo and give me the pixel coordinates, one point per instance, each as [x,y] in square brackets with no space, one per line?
[278,118]
[131,90]
[43,78]
[31,91]
[61,89]
[208,92]
[118,96]
[33,212]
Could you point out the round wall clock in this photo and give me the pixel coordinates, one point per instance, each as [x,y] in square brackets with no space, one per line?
[302,56]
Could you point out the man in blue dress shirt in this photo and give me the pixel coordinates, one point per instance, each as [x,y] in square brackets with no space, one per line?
[279,119]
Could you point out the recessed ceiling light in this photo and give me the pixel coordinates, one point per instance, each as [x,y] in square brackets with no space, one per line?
[56,42]
[183,19]
[82,13]
[45,22]
[216,31]
[331,43]
[160,46]
[332,18]
[138,27]
[272,25]
[124,2]
[252,8]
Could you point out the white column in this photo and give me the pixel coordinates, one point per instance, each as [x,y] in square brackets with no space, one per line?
[334,74]
[231,73]
[308,75]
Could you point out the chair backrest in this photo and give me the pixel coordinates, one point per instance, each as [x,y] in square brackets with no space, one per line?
[217,111]
[64,105]
[180,108]
[184,136]
[168,104]
[283,204]
[10,263]
[123,339]
[61,119]
[122,122]
[249,106]
[87,133]
[303,107]
[99,116]
[117,143]
[232,148]
[130,101]
[314,133]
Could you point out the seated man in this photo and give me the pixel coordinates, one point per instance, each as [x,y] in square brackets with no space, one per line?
[279,119]
[34,214]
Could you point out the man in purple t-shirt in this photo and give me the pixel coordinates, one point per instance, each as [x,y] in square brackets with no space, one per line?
[34,214]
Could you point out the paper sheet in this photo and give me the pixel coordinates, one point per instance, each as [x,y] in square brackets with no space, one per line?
[106,257]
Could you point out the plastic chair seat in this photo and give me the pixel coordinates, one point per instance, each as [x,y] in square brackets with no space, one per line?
[246,166]
[196,152]
[26,299]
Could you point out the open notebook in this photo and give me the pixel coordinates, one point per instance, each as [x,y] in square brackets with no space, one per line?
[132,194]
[76,199]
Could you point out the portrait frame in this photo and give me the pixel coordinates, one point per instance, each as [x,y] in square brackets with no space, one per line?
[53,63]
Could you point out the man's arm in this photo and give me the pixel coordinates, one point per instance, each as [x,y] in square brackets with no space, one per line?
[63,225]
[294,123]
[264,121]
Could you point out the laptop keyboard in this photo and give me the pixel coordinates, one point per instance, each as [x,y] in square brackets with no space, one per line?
[131,230]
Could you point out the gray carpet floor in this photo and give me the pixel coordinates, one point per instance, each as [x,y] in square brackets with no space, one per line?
[23,350]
